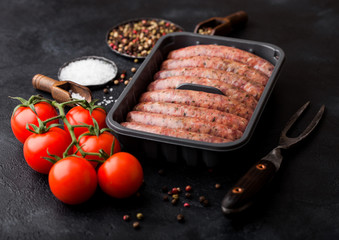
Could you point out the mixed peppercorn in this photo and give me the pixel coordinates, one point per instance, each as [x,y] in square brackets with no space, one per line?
[173,195]
[137,38]
[205,30]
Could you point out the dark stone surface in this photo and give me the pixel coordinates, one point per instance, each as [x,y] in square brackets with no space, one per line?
[303,201]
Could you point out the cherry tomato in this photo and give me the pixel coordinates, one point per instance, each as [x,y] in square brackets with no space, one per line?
[121,175]
[79,115]
[72,180]
[93,144]
[55,141]
[24,115]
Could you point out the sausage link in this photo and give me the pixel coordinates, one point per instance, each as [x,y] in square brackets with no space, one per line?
[227,89]
[184,123]
[225,52]
[243,83]
[218,64]
[229,120]
[198,99]
[174,132]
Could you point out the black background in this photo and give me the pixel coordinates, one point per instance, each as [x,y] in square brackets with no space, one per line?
[303,201]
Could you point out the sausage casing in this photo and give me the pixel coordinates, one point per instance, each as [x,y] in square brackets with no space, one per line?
[199,99]
[175,132]
[225,52]
[210,115]
[184,123]
[218,64]
[243,83]
[227,89]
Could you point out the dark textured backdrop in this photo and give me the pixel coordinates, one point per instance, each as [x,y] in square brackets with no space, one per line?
[303,203]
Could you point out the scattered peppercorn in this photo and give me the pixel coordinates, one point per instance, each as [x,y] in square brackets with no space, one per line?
[205,203]
[126,82]
[136,225]
[136,60]
[188,195]
[217,186]
[169,193]
[133,69]
[126,218]
[180,218]
[174,201]
[122,75]
[188,188]
[165,198]
[164,189]
[179,189]
[161,172]
[137,38]
[186,205]
[175,196]
[175,190]
[201,199]
[140,216]
[105,90]
[116,82]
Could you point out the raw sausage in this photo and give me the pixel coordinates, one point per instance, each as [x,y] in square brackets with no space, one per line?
[175,132]
[243,83]
[218,64]
[184,123]
[229,120]
[198,99]
[227,89]
[225,52]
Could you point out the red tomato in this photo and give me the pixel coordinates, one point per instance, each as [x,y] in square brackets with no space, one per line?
[72,180]
[24,115]
[93,144]
[121,175]
[55,141]
[79,115]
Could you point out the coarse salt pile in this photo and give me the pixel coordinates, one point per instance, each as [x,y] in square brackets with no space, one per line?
[77,96]
[88,71]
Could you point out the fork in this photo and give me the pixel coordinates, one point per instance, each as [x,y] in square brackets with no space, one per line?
[241,196]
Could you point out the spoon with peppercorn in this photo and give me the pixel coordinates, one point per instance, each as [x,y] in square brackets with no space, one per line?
[222,25]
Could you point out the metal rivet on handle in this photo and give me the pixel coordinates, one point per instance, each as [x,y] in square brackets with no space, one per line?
[237,190]
[261,166]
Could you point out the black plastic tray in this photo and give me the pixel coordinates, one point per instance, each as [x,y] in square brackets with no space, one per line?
[175,149]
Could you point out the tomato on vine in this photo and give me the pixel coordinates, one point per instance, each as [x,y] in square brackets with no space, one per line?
[93,143]
[27,113]
[72,180]
[83,114]
[38,146]
[121,175]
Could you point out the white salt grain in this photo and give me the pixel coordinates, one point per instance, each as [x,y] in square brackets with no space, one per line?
[88,72]
[77,96]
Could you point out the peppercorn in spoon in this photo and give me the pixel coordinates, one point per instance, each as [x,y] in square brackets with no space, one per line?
[222,25]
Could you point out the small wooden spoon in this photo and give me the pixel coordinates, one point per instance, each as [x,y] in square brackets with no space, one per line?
[223,25]
[61,90]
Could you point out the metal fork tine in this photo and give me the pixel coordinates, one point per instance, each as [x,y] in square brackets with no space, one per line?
[312,124]
[293,119]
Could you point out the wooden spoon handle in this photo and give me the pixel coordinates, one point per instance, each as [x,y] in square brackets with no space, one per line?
[237,19]
[43,82]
